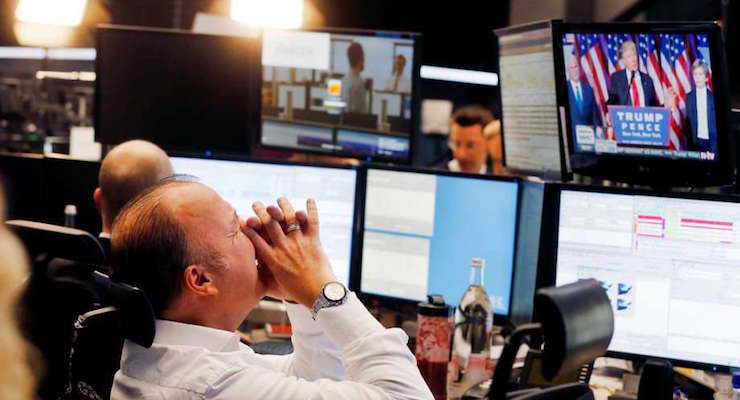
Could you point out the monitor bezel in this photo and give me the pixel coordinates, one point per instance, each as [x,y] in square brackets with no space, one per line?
[657,171]
[547,260]
[249,159]
[413,136]
[254,123]
[565,173]
[359,237]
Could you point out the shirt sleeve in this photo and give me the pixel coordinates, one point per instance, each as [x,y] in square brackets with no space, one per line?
[376,362]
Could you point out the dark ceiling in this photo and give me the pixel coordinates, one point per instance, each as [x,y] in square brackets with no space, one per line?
[459,35]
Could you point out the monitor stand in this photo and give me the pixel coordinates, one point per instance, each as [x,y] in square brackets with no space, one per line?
[656,381]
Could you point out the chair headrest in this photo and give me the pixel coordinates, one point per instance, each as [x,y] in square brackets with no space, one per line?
[135,311]
[577,323]
[57,241]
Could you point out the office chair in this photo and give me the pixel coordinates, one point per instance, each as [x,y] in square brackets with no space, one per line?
[576,322]
[65,283]
[78,319]
[57,241]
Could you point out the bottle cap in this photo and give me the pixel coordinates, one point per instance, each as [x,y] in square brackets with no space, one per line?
[436,307]
[70,209]
[478,262]
[736,379]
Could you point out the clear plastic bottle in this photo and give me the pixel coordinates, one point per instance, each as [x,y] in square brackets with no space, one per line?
[471,345]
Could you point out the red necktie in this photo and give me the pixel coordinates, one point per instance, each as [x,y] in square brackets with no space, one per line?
[635,95]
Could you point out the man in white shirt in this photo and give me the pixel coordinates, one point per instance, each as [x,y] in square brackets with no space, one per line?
[186,248]
[398,82]
[126,171]
[700,123]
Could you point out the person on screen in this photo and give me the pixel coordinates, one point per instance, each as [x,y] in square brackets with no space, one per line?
[700,121]
[583,107]
[197,262]
[467,141]
[354,92]
[398,82]
[127,170]
[629,86]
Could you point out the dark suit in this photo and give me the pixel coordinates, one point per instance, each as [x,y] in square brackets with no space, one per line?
[619,90]
[691,124]
[584,112]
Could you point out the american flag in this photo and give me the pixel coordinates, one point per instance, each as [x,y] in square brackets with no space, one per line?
[595,66]
[650,62]
[666,58]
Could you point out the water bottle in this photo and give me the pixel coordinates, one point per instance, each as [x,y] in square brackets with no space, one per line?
[471,345]
[70,213]
[736,385]
[433,344]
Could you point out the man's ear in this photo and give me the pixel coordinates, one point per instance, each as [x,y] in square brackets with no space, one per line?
[199,281]
[96,199]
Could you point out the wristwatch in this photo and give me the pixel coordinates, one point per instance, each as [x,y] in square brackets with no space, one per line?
[333,294]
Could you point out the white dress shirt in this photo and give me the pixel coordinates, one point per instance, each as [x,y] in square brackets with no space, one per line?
[702,129]
[404,83]
[344,354]
[638,82]
[454,166]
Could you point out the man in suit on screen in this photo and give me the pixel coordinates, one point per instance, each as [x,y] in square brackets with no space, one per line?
[583,108]
[629,86]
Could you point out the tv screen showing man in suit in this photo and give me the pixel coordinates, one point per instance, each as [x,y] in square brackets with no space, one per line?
[642,94]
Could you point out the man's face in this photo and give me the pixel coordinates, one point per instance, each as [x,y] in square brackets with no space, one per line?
[630,59]
[468,147]
[212,222]
[574,74]
[700,78]
[398,64]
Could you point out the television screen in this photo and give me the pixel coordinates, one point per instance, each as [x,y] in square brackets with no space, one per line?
[349,94]
[180,90]
[645,98]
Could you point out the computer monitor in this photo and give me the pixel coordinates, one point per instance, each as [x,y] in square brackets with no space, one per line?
[645,102]
[181,90]
[421,229]
[242,183]
[348,93]
[530,120]
[669,263]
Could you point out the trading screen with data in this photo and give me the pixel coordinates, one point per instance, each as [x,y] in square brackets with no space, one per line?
[669,266]
[409,252]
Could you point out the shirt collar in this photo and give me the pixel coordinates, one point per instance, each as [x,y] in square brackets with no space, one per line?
[179,334]
[454,166]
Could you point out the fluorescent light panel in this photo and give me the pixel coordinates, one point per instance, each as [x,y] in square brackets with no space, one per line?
[459,75]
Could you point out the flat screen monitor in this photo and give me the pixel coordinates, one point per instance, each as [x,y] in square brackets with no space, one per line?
[349,93]
[421,229]
[181,90]
[645,103]
[530,121]
[242,183]
[669,264]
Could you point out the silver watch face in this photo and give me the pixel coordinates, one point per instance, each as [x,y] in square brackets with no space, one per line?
[334,291]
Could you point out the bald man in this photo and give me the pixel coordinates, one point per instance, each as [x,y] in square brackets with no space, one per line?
[126,171]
